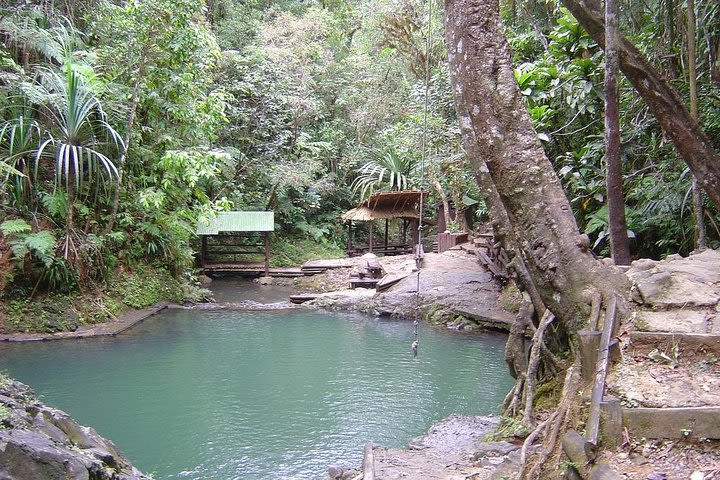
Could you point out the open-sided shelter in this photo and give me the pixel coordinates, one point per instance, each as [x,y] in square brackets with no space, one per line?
[230,236]
[386,206]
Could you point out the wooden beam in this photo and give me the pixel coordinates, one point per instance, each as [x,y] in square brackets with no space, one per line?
[349,245]
[601,369]
[386,232]
[370,242]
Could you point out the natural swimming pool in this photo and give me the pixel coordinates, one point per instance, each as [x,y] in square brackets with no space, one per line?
[262,395]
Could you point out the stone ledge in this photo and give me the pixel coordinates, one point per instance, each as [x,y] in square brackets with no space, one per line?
[694,422]
[698,342]
[123,322]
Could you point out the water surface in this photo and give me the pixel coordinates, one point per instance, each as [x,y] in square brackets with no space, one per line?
[262,395]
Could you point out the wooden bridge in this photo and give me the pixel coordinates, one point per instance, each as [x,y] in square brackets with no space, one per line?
[311,267]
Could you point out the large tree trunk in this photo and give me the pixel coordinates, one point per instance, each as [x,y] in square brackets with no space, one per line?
[667,106]
[556,254]
[700,238]
[619,243]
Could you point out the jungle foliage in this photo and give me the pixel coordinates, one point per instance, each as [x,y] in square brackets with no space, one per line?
[124,122]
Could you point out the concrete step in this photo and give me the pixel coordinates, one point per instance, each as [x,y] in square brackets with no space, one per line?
[673,423]
[695,343]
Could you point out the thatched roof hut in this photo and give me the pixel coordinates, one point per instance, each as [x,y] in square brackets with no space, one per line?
[385,206]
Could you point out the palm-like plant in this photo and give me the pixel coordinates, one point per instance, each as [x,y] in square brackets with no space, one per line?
[82,136]
[18,143]
[388,169]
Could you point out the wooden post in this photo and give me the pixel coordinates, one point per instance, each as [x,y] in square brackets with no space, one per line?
[267,253]
[370,242]
[611,429]
[601,368]
[349,246]
[589,345]
[576,449]
[386,233]
[203,249]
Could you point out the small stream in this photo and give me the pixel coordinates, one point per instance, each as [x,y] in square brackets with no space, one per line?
[229,394]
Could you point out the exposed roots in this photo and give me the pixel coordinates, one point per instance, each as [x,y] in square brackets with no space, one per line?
[512,400]
[531,375]
[551,427]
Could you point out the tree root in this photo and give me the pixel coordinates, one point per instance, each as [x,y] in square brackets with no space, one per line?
[554,424]
[512,399]
[530,376]
[551,362]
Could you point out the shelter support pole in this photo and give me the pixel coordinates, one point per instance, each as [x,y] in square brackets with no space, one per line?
[386,233]
[203,250]
[266,238]
[370,242]
[349,245]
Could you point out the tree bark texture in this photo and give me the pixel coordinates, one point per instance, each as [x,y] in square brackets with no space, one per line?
[700,238]
[691,142]
[619,244]
[489,104]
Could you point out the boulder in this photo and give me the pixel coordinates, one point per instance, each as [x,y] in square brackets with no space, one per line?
[39,442]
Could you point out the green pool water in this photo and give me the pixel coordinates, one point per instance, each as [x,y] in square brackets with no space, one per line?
[193,394]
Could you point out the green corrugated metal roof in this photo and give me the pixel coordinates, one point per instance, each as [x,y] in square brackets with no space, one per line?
[238,222]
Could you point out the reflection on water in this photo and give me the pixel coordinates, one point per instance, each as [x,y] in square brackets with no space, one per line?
[257,395]
[237,290]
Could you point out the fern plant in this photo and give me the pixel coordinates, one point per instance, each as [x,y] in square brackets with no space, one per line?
[36,251]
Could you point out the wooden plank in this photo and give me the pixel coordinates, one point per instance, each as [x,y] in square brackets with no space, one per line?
[389,280]
[328,264]
[601,368]
[363,282]
[485,260]
[302,298]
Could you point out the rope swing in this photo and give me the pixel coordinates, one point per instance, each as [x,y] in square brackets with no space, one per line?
[419,250]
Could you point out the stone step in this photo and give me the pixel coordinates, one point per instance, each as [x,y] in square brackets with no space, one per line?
[673,423]
[697,343]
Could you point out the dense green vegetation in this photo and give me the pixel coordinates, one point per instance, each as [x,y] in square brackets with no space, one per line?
[124,122]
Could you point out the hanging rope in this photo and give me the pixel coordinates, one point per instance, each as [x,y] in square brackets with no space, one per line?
[419,251]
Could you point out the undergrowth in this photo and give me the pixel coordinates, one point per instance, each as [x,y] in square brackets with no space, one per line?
[290,252]
[54,312]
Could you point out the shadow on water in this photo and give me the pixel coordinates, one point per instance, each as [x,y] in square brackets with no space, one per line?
[238,290]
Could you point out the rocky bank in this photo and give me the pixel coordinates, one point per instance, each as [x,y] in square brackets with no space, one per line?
[455,291]
[42,443]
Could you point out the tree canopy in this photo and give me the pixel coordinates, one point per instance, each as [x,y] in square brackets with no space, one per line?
[180,108]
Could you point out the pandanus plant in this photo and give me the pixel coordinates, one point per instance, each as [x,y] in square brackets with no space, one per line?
[18,143]
[81,138]
[388,169]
